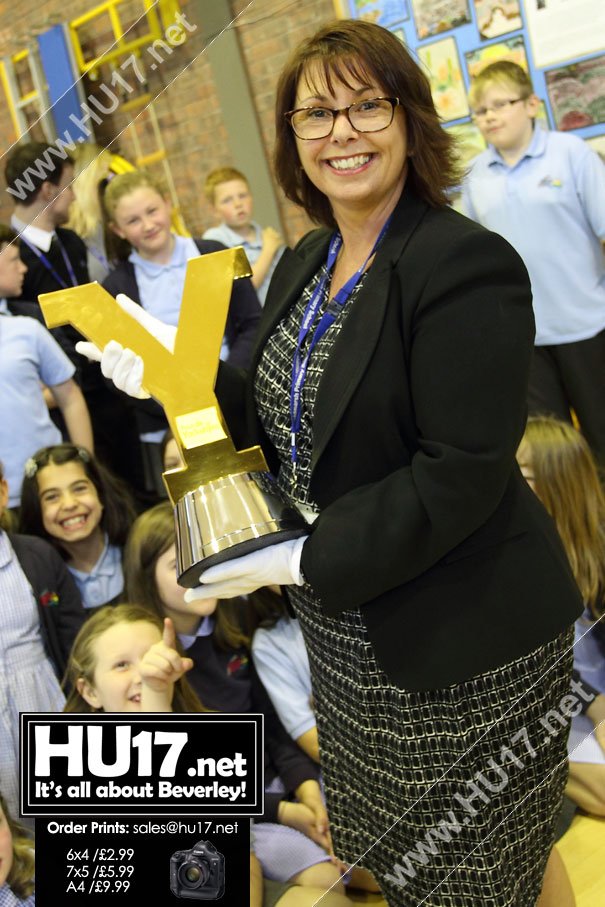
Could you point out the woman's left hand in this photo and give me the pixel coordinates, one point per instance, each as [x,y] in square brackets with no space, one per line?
[275,565]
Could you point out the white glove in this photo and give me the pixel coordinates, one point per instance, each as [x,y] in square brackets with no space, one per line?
[121,365]
[276,565]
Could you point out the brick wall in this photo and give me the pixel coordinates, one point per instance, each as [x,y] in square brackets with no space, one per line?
[186,103]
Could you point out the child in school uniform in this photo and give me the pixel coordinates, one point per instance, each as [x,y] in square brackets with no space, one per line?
[292,839]
[29,359]
[73,502]
[40,615]
[557,463]
[152,272]
[545,193]
[228,192]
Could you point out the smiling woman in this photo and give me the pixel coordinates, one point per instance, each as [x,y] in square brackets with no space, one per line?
[72,501]
[387,389]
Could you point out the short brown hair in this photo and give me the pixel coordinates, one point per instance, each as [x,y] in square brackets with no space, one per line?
[353,49]
[502,72]
[218,176]
[31,164]
[7,236]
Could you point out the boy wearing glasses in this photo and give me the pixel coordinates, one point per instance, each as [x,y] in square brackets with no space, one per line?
[545,193]
[228,192]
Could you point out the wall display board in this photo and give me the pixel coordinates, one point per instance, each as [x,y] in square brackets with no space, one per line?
[561,44]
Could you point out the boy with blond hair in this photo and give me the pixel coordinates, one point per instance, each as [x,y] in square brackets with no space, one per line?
[228,192]
[545,193]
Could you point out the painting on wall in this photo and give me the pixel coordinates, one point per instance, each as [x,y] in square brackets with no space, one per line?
[512,49]
[435,16]
[381,12]
[577,94]
[469,142]
[442,63]
[497,17]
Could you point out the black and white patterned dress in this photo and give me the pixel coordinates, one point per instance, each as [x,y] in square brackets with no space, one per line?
[448,796]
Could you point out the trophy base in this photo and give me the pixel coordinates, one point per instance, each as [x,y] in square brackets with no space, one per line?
[229,517]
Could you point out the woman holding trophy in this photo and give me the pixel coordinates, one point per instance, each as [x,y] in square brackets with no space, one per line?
[387,390]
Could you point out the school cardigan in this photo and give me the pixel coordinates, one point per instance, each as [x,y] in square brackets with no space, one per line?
[59,604]
[426,523]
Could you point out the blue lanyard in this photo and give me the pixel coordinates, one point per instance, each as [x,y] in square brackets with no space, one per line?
[47,264]
[99,256]
[333,309]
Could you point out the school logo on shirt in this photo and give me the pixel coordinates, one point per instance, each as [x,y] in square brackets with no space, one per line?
[551,182]
[49,599]
[237,664]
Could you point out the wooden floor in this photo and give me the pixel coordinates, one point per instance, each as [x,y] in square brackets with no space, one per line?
[582,848]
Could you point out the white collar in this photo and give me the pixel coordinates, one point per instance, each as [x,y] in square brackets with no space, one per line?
[35,235]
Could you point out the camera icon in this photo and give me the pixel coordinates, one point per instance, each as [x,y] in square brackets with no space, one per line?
[198,873]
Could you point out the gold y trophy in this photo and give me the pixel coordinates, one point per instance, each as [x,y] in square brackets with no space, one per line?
[226,502]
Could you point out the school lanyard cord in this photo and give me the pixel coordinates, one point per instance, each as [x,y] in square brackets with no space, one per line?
[48,265]
[333,309]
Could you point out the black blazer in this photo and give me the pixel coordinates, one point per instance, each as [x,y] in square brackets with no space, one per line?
[426,523]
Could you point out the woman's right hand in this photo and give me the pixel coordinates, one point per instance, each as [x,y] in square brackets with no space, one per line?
[120,364]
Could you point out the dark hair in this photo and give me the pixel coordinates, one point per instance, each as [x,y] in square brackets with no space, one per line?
[7,235]
[31,164]
[20,879]
[118,509]
[82,661]
[352,49]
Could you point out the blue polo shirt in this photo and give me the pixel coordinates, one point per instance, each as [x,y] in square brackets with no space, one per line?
[231,239]
[550,206]
[161,286]
[104,582]
[29,357]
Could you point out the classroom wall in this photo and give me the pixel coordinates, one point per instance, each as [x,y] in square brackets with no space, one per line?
[186,91]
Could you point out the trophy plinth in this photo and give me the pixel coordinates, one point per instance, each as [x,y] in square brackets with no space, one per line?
[228,517]
[226,502]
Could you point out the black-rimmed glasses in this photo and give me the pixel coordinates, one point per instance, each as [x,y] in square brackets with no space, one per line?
[496,106]
[369,115]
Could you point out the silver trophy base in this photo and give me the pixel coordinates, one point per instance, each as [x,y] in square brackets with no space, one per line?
[229,517]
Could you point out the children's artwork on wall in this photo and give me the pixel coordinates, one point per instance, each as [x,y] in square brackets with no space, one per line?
[512,49]
[469,142]
[497,17]
[577,94]
[435,16]
[559,43]
[381,12]
[447,83]
[561,30]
